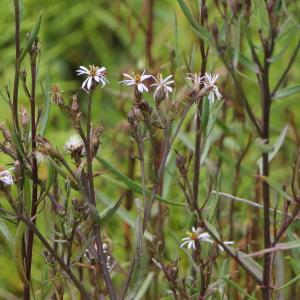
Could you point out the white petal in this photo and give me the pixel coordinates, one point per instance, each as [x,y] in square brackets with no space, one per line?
[84,83]
[89,83]
[128,76]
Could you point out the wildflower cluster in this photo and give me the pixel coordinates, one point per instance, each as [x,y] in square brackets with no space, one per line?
[163,86]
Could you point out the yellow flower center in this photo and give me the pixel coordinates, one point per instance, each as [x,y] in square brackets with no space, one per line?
[137,77]
[192,235]
[93,70]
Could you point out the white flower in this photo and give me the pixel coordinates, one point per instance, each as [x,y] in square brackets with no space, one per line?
[196,235]
[6,177]
[209,83]
[95,74]
[137,80]
[162,85]
[74,143]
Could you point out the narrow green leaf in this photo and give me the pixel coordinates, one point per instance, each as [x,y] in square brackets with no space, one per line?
[131,183]
[32,37]
[5,235]
[200,30]
[275,148]
[110,212]
[46,112]
[262,146]
[121,212]
[286,92]
[17,252]
[229,281]
[141,256]
[144,286]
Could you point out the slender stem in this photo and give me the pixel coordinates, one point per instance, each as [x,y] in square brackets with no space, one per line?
[34,198]
[149,35]
[17,66]
[198,118]
[92,199]
[266,107]
[33,228]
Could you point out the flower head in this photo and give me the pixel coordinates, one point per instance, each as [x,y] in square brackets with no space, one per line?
[95,75]
[137,80]
[209,83]
[197,235]
[162,85]
[194,236]
[6,177]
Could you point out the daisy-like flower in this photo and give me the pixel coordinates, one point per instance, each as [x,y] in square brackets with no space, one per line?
[162,86]
[209,83]
[196,235]
[6,177]
[74,143]
[137,80]
[94,75]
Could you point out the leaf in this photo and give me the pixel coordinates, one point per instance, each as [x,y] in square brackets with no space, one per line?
[144,286]
[200,30]
[44,119]
[251,264]
[263,146]
[277,247]
[5,235]
[17,252]
[205,113]
[32,37]
[110,212]
[131,183]
[275,148]
[286,92]
[141,256]
[121,212]
[229,281]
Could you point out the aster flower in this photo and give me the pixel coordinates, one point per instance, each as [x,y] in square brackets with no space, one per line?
[196,235]
[137,80]
[94,74]
[6,177]
[162,86]
[209,83]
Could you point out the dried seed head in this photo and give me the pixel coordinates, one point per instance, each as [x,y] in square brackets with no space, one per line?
[56,94]
[6,133]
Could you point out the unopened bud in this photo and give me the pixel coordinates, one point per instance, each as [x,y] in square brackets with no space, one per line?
[24,116]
